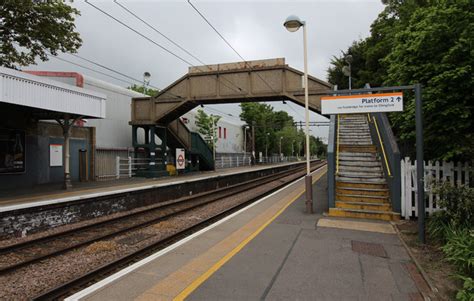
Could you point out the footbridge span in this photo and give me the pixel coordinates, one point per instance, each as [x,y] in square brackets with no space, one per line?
[264,80]
[252,81]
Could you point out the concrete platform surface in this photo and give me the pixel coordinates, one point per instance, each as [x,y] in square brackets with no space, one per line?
[274,251]
[50,194]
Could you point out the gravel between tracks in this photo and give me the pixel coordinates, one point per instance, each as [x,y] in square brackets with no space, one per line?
[31,280]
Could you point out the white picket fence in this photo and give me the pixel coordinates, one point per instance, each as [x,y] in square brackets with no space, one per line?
[437,172]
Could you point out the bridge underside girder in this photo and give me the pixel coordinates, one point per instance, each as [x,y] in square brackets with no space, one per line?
[255,81]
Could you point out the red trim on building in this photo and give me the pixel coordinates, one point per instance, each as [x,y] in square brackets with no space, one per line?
[79,78]
[225,133]
[220,132]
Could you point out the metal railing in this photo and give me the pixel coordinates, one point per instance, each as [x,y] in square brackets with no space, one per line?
[333,129]
[128,167]
[383,137]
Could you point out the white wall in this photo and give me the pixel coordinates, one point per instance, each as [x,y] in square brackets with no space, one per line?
[234,140]
[114,131]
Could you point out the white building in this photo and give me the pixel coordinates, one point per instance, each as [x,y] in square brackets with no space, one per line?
[113,135]
[229,132]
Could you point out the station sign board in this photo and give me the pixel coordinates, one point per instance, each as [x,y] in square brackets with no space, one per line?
[180,158]
[362,103]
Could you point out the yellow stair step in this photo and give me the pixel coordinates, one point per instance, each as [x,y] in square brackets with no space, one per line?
[362,191]
[341,184]
[362,198]
[386,207]
[366,214]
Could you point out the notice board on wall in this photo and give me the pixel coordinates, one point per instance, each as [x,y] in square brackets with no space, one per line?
[12,151]
[55,155]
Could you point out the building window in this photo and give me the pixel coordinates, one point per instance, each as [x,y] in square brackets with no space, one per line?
[225,133]
[220,132]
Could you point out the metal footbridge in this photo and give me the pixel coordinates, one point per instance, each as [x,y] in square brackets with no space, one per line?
[252,81]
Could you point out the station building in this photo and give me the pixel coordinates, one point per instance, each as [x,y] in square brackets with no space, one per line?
[36,130]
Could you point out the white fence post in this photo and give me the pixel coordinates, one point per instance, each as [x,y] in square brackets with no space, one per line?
[129,167]
[450,172]
[117,167]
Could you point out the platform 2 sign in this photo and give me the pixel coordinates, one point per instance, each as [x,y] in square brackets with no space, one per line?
[362,103]
[12,151]
[180,158]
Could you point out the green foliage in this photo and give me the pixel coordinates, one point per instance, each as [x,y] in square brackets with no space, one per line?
[141,89]
[272,127]
[458,203]
[438,226]
[207,126]
[454,227]
[459,249]
[467,291]
[31,29]
[427,42]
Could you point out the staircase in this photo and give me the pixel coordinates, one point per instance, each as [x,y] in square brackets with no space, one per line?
[179,136]
[361,188]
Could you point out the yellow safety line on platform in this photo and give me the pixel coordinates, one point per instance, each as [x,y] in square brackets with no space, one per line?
[197,282]
[337,148]
[383,149]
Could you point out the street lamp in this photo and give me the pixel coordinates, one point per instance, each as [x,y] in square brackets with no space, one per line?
[266,147]
[292,24]
[280,149]
[146,80]
[245,140]
[347,70]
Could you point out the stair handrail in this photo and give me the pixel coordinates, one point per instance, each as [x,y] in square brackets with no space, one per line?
[332,139]
[337,146]
[382,134]
[382,147]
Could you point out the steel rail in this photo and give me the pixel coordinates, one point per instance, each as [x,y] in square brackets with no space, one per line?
[78,231]
[106,269]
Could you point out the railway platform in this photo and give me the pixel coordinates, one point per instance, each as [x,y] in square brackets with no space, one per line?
[15,199]
[271,250]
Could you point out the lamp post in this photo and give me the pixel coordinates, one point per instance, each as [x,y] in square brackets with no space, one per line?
[245,140]
[146,81]
[266,147]
[280,149]
[347,70]
[213,141]
[292,24]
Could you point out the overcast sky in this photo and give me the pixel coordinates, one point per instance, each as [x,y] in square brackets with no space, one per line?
[254,28]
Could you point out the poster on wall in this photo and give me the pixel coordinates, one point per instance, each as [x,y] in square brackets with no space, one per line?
[12,151]
[55,155]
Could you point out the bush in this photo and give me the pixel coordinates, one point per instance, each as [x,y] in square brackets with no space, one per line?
[467,291]
[454,227]
[458,204]
[459,249]
[438,226]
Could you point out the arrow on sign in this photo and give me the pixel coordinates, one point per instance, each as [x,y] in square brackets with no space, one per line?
[399,98]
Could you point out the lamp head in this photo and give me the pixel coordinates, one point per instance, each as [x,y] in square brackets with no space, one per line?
[349,59]
[293,23]
[146,76]
[346,70]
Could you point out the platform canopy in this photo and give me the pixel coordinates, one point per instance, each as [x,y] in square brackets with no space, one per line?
[48,99]
[251,81]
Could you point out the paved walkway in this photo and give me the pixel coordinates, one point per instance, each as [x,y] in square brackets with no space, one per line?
[274,251]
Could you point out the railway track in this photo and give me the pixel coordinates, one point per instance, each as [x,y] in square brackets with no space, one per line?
[60,243]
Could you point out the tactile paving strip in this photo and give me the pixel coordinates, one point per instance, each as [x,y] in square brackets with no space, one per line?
[369,248]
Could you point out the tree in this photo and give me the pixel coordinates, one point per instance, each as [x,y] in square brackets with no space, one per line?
[141,89]
[207,126]
[31,29]
[427,42]
[435,49]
